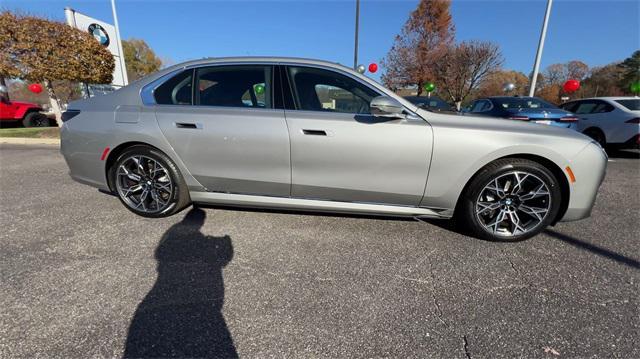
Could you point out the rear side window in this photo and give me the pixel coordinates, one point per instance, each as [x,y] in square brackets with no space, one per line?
[481,106]
[324,90]
[175,91]
[234,86]
[631,105]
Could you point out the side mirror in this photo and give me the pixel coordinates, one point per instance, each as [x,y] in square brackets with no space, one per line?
[384,106]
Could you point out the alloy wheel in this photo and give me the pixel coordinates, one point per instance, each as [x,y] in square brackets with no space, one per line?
[513,203]
[144,184]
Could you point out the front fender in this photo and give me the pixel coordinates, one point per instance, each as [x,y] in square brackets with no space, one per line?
[459,154]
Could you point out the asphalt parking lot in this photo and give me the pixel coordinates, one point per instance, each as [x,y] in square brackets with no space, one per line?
[83,277]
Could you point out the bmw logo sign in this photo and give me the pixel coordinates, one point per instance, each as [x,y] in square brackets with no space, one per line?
[100,34]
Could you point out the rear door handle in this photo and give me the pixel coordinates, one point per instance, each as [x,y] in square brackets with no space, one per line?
[314,132]
[188,125]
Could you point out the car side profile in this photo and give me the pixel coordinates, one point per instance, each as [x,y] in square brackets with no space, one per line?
[530,109]
[311,135]
[611,121]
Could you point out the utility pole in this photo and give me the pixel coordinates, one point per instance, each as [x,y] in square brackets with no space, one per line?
[355,49]
[125,79]
[543,35]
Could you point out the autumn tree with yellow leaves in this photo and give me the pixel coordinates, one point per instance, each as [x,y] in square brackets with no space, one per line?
[40,50]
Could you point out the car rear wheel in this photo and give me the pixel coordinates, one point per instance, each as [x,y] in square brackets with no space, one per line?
[148,183]
[35,119]
[510,200]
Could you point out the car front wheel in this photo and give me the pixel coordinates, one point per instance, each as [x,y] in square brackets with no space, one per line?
[148,183]
[511,200]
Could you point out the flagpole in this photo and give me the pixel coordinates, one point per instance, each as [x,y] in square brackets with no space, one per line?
[123,67]
[355,48]
[543,35]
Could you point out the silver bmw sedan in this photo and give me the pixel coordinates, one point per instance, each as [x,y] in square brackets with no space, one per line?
[302,134]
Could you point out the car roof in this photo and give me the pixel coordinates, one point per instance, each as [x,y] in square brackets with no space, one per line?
[510,97]
[611,98]
[264,59]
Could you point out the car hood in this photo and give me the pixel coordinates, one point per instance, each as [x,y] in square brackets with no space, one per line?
[503,127]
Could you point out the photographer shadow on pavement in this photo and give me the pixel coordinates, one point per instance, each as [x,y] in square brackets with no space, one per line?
[181,316]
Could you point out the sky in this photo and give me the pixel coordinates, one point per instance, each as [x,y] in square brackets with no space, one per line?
[596,32]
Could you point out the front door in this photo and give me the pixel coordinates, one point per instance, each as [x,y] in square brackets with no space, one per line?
[340,152]
[226,130]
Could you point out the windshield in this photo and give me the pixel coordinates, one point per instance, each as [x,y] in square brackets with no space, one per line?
[516,103]
[631,105]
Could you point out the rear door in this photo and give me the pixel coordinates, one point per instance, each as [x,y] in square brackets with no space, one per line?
[222,123]
[340,152]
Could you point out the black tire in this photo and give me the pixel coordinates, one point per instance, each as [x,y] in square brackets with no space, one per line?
[597,135]
[179,197]
[35,119]
[466,213]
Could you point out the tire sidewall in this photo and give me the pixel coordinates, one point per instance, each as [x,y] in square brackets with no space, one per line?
[485,176]
[179,196]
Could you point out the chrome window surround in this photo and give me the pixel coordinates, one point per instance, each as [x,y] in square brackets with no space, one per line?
[147,91]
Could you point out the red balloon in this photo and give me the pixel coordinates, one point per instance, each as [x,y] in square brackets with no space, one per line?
[35,88]
[571,86]
[373,67]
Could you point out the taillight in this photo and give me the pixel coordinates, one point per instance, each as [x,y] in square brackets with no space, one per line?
[69,114]
[521,118]
[569,119]
[633,120]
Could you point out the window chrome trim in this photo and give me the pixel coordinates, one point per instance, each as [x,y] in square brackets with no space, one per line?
[147,91]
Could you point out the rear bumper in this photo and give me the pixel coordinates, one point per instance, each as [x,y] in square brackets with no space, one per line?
[589,168]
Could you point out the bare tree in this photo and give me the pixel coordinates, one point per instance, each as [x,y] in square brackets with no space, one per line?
[464,66]
[425,38]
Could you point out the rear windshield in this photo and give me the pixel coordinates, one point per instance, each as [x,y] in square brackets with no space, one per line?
[515,102]
[631,105]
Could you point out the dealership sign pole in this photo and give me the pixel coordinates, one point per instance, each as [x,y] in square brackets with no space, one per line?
[121,58]
[543,35]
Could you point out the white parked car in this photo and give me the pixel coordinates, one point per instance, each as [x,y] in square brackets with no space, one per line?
[612,121]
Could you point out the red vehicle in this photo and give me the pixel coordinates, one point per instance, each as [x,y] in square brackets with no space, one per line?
[28,114]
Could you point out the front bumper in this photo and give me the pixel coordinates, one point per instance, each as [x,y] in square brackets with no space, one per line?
[589,168]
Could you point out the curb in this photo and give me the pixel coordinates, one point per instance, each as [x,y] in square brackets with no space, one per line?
[30,141]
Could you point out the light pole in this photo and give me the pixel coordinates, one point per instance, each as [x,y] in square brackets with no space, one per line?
[123,67]
[543,35]
[355,49]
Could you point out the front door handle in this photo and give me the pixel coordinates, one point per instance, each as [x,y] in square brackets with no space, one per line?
[314,132]
[188,125]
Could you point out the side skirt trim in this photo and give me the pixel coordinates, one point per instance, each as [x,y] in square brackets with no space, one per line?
[242,200]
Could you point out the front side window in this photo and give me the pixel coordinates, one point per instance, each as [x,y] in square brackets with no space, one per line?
[234,86]
[176,90]
[323,90]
